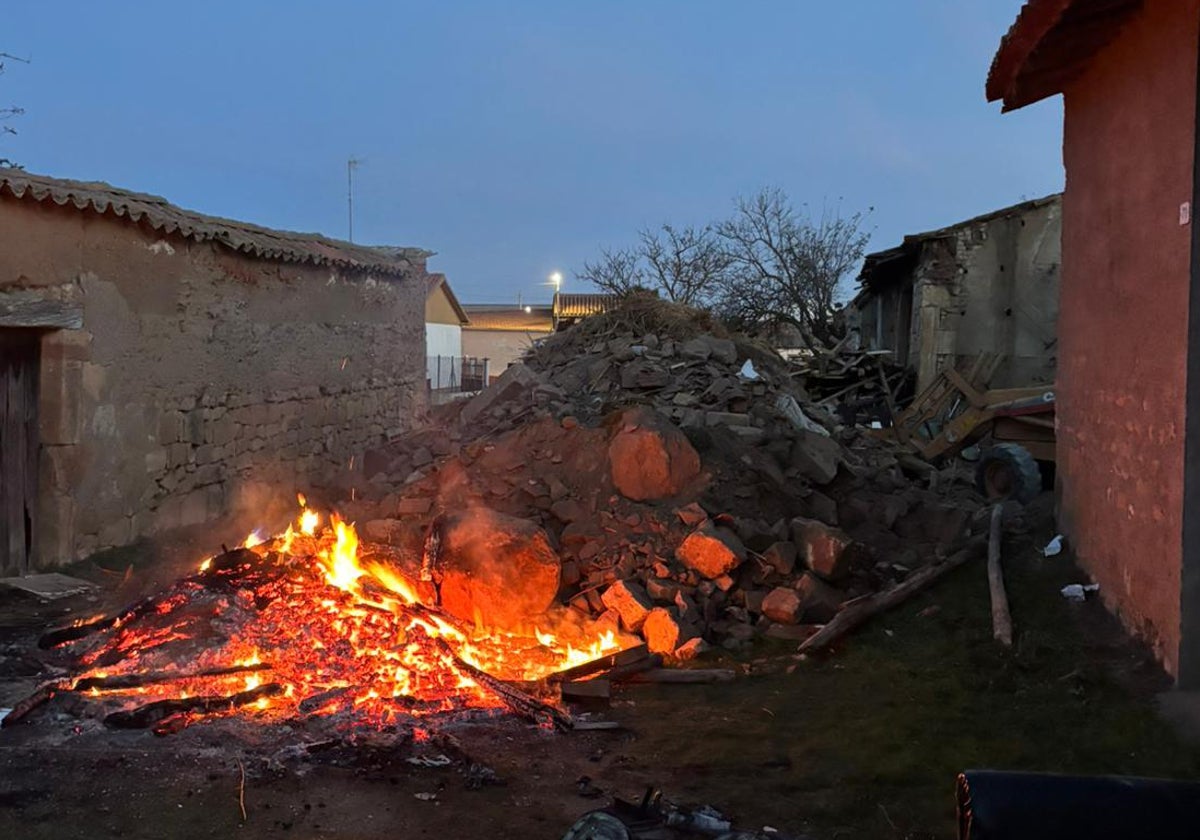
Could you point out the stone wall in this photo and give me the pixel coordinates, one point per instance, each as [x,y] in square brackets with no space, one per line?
[991,286]
[203,380]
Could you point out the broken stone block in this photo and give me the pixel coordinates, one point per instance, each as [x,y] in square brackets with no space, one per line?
[822,507]
[781,556]
[816,456]
[422,456]
[414,506]
[754,600]
[515,381]
[664,631]
[691,515]
[691,649]
[570,573]
[710,551]
[696,348]
[826,550]
[726,418]
[630,601]
[568,511]
[650,458]
[782,605]
[497,567]
[820,602]
[381,530]
[641,374]
[662,591]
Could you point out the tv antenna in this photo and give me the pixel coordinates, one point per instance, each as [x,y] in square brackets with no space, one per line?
[351,165]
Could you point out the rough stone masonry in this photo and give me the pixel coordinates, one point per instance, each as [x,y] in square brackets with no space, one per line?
[216,365]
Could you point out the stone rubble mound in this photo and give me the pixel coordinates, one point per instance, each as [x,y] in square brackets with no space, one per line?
[664,478]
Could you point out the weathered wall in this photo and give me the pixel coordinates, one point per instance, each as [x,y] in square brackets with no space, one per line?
[500,347]
[991,286]
[1123,325]
[201,378]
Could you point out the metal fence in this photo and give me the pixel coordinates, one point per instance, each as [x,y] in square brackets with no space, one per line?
[447,375]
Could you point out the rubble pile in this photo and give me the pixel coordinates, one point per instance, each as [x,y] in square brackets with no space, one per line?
[644,469]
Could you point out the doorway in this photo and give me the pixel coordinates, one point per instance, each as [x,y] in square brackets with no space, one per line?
[20,357]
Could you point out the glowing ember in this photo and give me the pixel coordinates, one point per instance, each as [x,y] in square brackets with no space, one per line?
[303,615]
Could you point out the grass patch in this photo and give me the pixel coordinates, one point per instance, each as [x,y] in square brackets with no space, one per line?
[868,742]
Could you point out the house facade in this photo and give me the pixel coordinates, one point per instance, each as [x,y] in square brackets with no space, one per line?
[169,368]
[501,333]
[987,285]
[1129,324]
[444,322]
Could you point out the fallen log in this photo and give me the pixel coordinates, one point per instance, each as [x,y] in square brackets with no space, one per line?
[1002,630]
[154,713]
[120,682]
[42,694]
[861,610]
[683,676]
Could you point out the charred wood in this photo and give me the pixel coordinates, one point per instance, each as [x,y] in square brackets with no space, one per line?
[144,717]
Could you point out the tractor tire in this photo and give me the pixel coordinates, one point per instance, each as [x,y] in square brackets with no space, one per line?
[1008,471]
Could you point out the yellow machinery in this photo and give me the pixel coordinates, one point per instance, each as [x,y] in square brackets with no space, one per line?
[956,411]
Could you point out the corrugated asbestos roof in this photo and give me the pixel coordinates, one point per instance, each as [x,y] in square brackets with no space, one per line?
[1050,43]
[167,219]
[506,318]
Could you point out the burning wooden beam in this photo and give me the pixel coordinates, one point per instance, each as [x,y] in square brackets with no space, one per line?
[628,656]
[151,714]
[121,682]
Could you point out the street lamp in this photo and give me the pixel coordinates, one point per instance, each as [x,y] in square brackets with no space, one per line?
[556,281]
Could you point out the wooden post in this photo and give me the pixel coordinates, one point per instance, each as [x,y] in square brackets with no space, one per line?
[1001,618]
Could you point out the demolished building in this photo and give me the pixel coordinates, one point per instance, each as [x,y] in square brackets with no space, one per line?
[986,285]
[160,364]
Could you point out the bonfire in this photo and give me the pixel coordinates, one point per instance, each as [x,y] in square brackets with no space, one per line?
[310,624]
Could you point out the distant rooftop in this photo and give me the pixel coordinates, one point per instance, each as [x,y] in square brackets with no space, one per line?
[509,317]
[163,217]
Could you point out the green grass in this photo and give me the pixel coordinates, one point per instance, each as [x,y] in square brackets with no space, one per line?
[868,742]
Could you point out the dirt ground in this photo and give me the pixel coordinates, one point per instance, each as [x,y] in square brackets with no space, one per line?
[865,742]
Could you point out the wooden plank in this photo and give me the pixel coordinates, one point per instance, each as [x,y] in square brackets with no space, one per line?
[40,314]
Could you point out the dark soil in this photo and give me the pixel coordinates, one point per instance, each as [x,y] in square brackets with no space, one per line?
[863,743]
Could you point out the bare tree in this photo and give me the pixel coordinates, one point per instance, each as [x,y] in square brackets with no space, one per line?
[786,266]
[8,113]
[687,265]
[616,272]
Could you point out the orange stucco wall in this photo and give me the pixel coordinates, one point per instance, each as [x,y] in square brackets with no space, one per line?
[1123,323]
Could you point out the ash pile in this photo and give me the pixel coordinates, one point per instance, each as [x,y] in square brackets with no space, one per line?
[648,470]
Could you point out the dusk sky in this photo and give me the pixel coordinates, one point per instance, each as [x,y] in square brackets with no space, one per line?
[515,138]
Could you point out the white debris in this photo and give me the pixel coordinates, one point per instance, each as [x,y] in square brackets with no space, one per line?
[748,371]
[429,760]
[789,408]
[426,797]
[1079,591]
[4,713]
[1053,547]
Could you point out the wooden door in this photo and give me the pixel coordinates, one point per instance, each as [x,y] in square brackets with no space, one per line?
[19,360]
